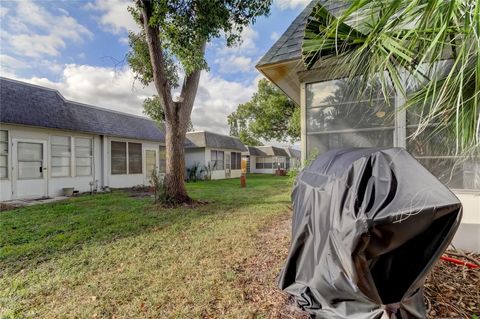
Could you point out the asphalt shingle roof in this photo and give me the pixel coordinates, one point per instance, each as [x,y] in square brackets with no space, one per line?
[294,153]
[289,45]
[267,151]
[213,140]
[26,104]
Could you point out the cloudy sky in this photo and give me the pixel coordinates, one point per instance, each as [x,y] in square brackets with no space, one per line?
[78,47]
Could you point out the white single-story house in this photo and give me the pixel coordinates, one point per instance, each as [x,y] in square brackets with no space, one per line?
[222,153]
[269,159]
[332,119]
[48,143]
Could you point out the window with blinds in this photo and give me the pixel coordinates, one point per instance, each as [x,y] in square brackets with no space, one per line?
[134,158]
[236,160]
[119,157]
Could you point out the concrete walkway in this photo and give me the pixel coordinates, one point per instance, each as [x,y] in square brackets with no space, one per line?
[30,202]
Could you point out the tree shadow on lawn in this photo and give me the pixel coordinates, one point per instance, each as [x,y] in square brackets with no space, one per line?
[32,235]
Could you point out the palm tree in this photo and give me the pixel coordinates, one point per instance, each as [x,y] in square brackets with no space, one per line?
[428,51]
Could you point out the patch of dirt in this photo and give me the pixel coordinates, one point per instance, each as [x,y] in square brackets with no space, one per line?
[140,191]
[451,291]
[259,274]
[6,206]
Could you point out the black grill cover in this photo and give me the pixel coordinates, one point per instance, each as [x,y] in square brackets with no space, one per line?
[368,225]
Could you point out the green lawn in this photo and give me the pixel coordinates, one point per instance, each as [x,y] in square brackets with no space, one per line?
[117,256]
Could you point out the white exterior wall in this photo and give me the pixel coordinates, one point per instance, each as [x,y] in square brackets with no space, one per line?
[54,185]
[468,234]
[203,157]
[235,173]
[195,155]
[80,183]
[221,174]
[255,170]
[128,180]
[101,173]
[264,171]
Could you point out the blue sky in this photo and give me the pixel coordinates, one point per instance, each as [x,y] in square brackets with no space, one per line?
[78,47]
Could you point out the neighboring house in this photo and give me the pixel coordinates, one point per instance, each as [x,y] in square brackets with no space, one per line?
[295,157]
[268,159]
[222,153]
[48,143]
[332,119]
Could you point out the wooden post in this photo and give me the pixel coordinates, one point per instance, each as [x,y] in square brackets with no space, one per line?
[243,177]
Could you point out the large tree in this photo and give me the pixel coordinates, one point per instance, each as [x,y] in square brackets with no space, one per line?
[153,108]
[269,115]
[172,43]
[427,50]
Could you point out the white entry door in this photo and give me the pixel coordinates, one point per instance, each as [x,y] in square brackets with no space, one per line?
[150,164]
[30,173]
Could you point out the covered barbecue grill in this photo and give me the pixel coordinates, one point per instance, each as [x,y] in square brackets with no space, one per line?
[368,226]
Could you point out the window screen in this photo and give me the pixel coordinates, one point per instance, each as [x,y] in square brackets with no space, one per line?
[264,162]
[162,161]
[83,156]
[119,157]
[436,151]
[236,160]
[134,158]
[61,156]
[217,160]
[30,160]
[337,116]
[3,154]
[150,162]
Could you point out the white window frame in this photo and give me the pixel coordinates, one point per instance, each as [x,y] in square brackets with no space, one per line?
[92,150]
[215,161]
[126,157]
[51,156]
[233,157]
[141,158]
[7,155]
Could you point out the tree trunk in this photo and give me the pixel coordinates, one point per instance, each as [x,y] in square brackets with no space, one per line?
[175,164]
[177,114]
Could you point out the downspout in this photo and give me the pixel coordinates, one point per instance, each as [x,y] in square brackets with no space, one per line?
[102,165]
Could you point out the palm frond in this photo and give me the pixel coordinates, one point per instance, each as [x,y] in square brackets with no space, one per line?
[402,44]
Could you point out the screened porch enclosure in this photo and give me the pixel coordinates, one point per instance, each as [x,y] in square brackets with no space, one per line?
[337,116]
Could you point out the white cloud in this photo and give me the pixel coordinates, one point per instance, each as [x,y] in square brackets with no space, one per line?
[115,17]
[117,90]
[235,64]
[35,45]
[99,86]
[238,58]
[247,46]
[291,4]
[274,36]
[123,40]
[34,31]
[11,63]
[3,12]
[216,99]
